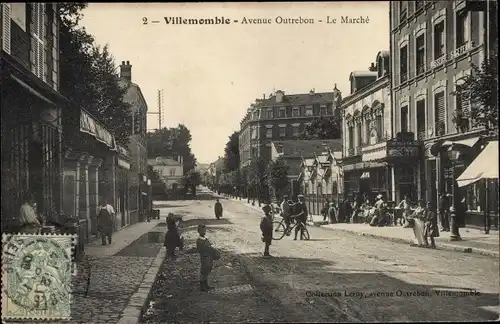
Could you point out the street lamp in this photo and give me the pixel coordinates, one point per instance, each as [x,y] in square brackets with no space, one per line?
[453,156]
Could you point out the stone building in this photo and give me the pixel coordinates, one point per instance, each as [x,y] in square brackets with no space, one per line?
[170,171]
[282,117]
[433,44]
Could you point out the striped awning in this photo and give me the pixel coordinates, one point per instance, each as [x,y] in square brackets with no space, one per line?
[483,167]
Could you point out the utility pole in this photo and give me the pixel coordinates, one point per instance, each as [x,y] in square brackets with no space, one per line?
[160,106]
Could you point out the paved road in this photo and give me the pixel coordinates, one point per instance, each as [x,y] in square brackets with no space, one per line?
[335,276]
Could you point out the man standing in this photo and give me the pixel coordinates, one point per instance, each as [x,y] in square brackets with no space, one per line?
[285,212]
[218,209]
[444,206]
[301,210]
[105,220]
[325,209]
[29,222]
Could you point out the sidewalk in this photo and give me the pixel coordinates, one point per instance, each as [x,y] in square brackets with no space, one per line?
[112,277]
[473,241]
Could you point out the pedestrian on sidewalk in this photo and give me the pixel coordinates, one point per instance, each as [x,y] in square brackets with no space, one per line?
[430,226]
[444,207]
[405,206]
[173,239]
[29,222]
[105,221]
[324,210]
[301,216]
[266,227]
[332,213]
[418,224]
[207,256]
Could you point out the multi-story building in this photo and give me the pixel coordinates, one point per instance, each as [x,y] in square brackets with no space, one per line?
[170,171]
[31,104]
[367,129]
[139,189]
[282,117]
[433,44]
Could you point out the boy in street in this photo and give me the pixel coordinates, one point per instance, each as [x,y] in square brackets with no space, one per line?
[266,226]
[207,256]
[172,237]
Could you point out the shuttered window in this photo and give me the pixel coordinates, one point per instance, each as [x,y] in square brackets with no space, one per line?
[55,51]
[463,110]
[439,113]
[379,126]
[404,119]
[6,27]
[37,40]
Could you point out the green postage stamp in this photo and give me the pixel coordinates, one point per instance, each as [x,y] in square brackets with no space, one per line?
[36,276]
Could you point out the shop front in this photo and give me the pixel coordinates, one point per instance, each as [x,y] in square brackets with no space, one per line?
[122,185]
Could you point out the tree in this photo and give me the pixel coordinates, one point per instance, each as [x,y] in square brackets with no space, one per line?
[158,187]
[172,142]
[191,179]
[88,76]
[277,176]
[323,128]
[232,153]
[481,88]
[257,178]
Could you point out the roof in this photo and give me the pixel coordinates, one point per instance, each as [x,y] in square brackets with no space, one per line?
[308,148]
[363,74]
[309,162]
[383,54]
[300,99]
[163,161]
[133,95]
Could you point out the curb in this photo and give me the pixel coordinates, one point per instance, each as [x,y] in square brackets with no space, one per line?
[442,246]
[133,311]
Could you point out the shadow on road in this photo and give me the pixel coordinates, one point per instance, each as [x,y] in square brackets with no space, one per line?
[207,222]
[356,292]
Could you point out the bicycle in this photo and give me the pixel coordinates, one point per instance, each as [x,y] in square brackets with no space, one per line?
[280,227]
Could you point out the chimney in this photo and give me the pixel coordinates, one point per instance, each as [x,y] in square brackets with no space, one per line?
[126,71]
[312,91]
[264,96]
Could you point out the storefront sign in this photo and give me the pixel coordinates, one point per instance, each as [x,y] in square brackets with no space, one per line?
[403,149]
[90,126]
[123,164]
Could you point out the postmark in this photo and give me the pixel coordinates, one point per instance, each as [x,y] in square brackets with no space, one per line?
[36,276]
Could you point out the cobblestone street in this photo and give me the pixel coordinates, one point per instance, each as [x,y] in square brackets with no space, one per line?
[360,278]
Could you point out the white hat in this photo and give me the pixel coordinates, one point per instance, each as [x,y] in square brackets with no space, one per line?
[379,196]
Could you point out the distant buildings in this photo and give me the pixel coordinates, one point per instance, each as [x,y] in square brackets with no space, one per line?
[138,181]
[281,117]
[170,171]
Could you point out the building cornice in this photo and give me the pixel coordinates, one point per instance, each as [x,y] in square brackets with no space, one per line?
[366,91]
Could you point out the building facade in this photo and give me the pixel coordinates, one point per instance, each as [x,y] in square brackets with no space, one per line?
[31,130]
[282,117]
[367,130]
[433,45]
[170,171]
[139,188]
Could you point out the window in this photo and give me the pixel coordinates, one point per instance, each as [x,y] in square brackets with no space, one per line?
[462,111]
[269,113]
[269,133]
[295,130]
[172,172]
[309,111]
[461,32]
[403,11]
[420,59]
[439,41]
[421,120]
[256,115]
[324,110]
[282,131]
[329,109]
[403,63]
[282,112]
[439,114]
[360,135]
[404,119]
[37,40]
[368,125]
[253,133]
[419,4]
[351,137]
[296,112]
[379,126]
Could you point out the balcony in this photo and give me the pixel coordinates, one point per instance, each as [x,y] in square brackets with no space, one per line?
[350,151]
[453,54]
[421,134]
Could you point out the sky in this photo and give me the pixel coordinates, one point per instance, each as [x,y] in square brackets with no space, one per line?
[210,74]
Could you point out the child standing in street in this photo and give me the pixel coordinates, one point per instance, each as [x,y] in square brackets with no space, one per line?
[172,238]
[266,226]
[207,256]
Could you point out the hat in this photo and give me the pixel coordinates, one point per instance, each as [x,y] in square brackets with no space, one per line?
[285,196]
[300,196]
[266,209]
[379,196]
[332,204]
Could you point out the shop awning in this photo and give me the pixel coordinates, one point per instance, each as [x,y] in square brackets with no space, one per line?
[485,166]
[90,126]
[365,175]
[437,146]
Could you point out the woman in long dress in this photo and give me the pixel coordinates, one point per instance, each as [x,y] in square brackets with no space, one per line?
[418,227]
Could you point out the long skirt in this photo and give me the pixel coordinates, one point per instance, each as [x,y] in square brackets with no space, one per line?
[418,231]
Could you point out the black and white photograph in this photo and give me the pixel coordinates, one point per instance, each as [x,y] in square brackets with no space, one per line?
[249,162]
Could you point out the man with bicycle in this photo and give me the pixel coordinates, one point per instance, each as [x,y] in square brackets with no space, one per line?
[301,216]
[285,212]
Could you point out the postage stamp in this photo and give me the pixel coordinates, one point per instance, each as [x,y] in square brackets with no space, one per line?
[36,276]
